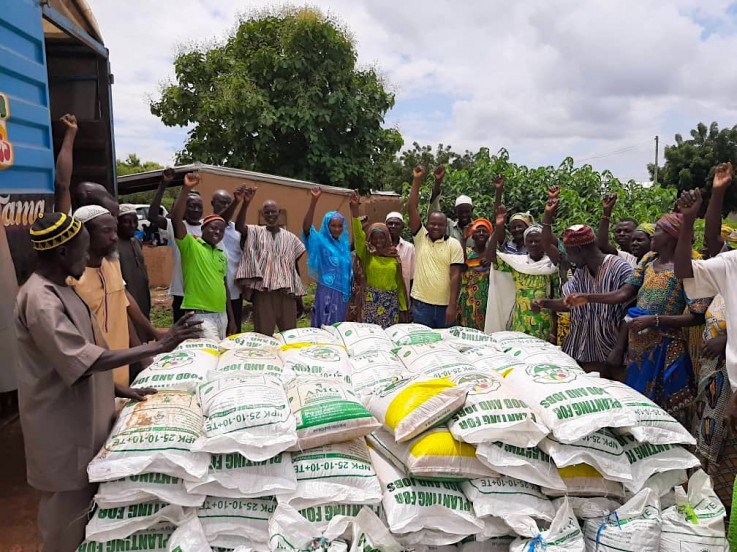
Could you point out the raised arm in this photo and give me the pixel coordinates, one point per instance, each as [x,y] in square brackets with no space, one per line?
[315,194]
[229,211]
[689,205]
[602,238]
[438,174]
[154,217]
[177,214]
[713,218]
[413,203]
[625,294]
[240,222]
[64,166]
[497,236]
[548,240]
[359,236]
[499,191]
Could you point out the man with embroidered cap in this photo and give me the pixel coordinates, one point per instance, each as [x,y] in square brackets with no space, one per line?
[204,268]
[594,328]
[65,384]
[103,288]
[405,250]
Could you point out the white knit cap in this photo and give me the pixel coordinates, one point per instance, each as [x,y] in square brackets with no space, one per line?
[127,209]
[89,212]
[394,214]
[463,200]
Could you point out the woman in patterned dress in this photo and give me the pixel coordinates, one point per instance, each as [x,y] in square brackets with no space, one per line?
[474,292]
[658,362]
[384,294]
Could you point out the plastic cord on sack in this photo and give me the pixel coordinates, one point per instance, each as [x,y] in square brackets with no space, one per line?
[537,540]
[604,524]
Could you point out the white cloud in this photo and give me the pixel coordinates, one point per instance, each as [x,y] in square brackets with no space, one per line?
[543,78]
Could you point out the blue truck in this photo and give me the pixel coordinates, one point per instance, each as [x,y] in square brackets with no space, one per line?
[52,62]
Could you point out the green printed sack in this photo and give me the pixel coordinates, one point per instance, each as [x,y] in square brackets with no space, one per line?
[233,522]
[374,371]
[249,340]
[528,464]
[360,338]
[155,539]
[326,412]
[180,370]
[118,523]
[254,361]
[434,360]
[412,334]
[319,361]
[564,535]
[146,487]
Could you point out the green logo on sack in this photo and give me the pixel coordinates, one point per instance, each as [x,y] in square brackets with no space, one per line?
[550,373]
[172,360]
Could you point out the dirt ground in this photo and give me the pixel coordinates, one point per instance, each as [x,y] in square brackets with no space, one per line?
[18,504]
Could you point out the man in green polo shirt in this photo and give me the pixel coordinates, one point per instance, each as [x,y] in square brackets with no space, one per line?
[204,268]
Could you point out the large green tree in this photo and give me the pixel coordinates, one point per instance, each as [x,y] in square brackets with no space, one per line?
[691,163]
[283,95]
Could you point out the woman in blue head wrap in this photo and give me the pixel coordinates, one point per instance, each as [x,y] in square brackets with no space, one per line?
[329,263]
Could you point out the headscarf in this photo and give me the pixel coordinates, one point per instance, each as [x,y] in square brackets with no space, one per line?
[578,235]
[389,250]
[88,212]
[527,218]
[212,218]
[52,230]
[532,229]
[329,260]
[671,224]
[726,231]
[646,227]
[471,228]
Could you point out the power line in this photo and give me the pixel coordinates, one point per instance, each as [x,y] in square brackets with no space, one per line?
[615,152]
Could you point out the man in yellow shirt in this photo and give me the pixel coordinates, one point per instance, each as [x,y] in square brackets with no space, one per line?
[438,263]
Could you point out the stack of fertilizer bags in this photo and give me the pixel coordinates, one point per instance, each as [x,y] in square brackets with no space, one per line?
[351,438]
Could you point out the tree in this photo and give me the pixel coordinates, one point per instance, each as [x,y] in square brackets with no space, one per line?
[133,165]
[283,95]
[691,163]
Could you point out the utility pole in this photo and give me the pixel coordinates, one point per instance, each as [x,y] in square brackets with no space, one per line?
[655,172]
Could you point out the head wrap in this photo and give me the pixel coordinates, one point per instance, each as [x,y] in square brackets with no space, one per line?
[532,229]
[479,222]
[88,212]
[646,227]
[527,218]
[464,200]
[212,218]
[671,223]
[726,231]
[52,230]
[329,260]
[388,250]
[394,214]
[578,235]
[127,209]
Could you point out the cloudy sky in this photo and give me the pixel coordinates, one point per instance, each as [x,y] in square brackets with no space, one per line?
[596,80]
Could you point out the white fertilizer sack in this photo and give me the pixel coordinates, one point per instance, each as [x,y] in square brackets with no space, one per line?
[434,454]
[411,405]
[313,336]
[247,414]
[427,512]
[583,480]
[194,344]
[178,370]
[340,472]
[633,527]
[646,460]
[249,340]
[527,464]
[654,425]
[463,339]
[508,338]
[320,361]
[570,404]
[601,449]
[144,488]
[493,413]
[361,338]
[231,522]
[496,544]
[491,359]
[327,412]
[412,334]
[158,435]
[288,530]
[258,362]
[321,515]
[506,497]
[119,523]
[588,508]
[235,476]
[696,522]
[548,355]
[564,535]
[373,371]
[435,360]
[155,539]
[189,537]
[370,534]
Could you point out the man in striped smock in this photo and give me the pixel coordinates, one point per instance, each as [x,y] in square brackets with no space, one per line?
[594,327]
[267,273]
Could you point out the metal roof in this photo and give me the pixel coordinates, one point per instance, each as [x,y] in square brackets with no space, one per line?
[149,180]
